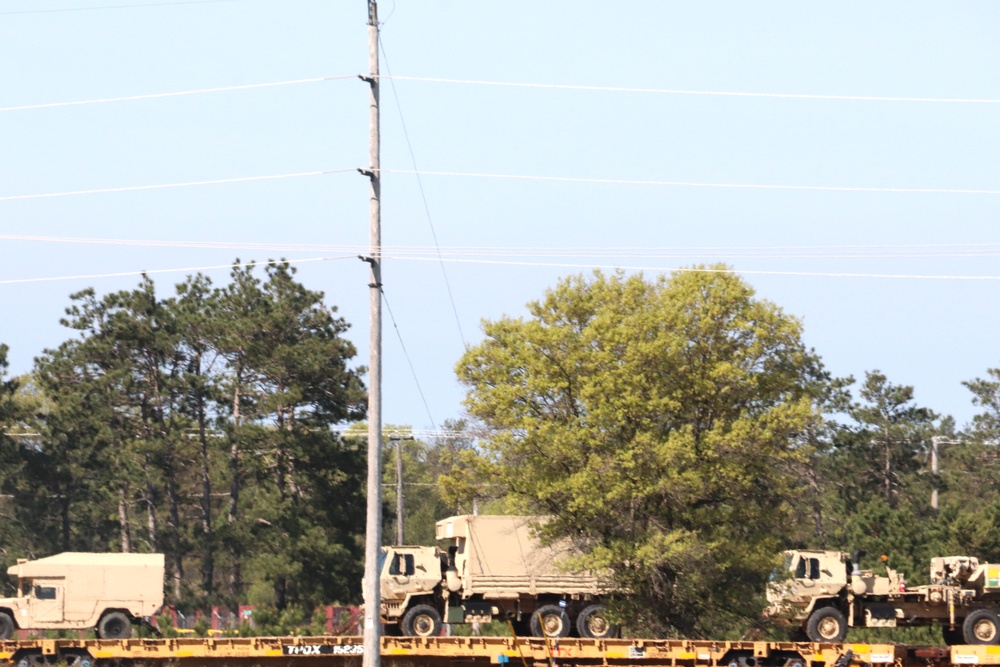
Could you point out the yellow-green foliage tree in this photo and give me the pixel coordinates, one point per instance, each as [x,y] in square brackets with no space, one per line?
[659,422]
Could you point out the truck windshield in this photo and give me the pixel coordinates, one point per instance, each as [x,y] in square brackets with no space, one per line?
[807,568]
[402,564]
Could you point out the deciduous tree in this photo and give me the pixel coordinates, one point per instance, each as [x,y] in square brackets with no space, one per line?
[659,421]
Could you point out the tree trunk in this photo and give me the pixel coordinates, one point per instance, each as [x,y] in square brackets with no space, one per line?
[812,479]
[236,577]
[887,448]
[123,520]
[151,524]
[175,519]
[64,522]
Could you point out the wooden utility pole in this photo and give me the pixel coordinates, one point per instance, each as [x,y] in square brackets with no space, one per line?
[399,491]
[373,529]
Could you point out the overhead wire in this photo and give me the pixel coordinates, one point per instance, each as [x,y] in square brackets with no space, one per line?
[694,269]
[695,184]
[715,93]
[553,86]
[615,266]
[178,93]
[409,361]
[833,251]
[523,177]
[160,186]
[423,195]
[81,9]
[120,274]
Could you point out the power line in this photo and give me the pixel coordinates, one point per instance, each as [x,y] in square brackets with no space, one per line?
[179,93]
[689,269]
[715,93]
[82,9]
[18,281]
[856,251]
[615,181]
[423,197]
[408,360]
[522,177]
[132,188]
[662,269]
[291,82]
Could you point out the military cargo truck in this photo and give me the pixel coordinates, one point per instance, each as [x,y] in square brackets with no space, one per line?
[487,568]
[107,592]
[827,592]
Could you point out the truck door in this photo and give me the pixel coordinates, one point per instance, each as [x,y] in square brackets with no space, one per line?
[396,573]
[45,604]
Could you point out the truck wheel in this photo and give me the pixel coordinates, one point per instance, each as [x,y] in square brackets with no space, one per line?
[114,625]
[550,621]
[422,620]
[593,623]
[827,624]
[951,636]
[981,626]
[6,625]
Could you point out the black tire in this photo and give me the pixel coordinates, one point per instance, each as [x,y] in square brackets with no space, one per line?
[114,625]
[6,625]
[421,620]
[550,621]
[952,637]
[981,626]
[593,623]
[827,624]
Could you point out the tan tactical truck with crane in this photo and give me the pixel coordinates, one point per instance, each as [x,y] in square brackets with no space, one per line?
[827,592]
[489,568]
[68,591]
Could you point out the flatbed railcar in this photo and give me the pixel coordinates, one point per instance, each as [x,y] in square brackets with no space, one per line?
[335,651]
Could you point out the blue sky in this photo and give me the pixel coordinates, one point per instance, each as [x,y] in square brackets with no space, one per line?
[930,333]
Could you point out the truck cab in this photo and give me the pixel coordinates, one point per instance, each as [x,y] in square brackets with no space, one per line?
[408,571]
[807,576]
[410,583]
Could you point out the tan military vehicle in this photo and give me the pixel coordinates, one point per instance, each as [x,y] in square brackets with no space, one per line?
[107,592]
[486,568]
[823,593]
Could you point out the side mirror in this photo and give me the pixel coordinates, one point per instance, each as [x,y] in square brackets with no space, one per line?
[421,567]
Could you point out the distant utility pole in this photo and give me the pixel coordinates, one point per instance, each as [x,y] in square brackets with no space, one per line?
[399,488]
[936,442]
[373,528]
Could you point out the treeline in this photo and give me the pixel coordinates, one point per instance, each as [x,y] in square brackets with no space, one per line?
[677,429]
[198,425]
